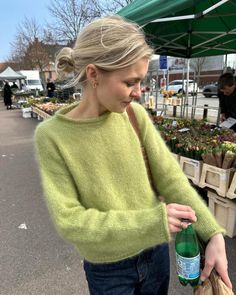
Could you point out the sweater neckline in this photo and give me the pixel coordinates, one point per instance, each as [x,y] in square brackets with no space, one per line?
[61,114]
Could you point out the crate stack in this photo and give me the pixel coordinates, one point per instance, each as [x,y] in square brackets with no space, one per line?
[221,189]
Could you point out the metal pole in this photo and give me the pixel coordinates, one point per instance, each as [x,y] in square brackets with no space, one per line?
[193,96]
[182,104]
[218,117]
[186,94]
[205,111]
[174,111]
[157,88]
[226,61]
[188,65]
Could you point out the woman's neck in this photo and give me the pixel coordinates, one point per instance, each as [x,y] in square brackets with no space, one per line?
[87,109]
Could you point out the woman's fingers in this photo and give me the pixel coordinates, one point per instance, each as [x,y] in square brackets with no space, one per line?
[225,278]
[180,212]
[176,213]
[206,272]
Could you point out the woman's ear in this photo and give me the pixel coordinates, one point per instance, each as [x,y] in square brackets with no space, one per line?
[91,72]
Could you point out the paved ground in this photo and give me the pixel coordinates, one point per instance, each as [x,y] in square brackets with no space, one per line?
[33,259]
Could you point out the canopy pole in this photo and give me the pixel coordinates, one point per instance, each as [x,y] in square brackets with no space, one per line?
[226,61]
[157,89]
[183,100]
[186,93]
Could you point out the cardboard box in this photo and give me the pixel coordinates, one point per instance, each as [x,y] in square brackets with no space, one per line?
[216,178]
[192,169]
[224,211]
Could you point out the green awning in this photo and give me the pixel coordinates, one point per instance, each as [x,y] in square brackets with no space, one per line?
[186,28]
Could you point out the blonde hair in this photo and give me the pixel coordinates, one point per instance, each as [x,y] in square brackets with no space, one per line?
[110,43]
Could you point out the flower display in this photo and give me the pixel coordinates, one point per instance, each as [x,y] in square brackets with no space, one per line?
[198,140]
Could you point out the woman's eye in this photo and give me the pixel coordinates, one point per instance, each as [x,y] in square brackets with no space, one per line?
[130,84]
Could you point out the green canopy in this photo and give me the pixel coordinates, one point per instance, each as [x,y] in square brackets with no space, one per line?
[186,28]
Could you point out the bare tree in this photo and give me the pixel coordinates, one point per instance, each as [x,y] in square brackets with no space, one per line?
[49,36]
[197,65]
[69,18]
[28,48]
[107,7]
[27,31]
[36,56]
[72,15]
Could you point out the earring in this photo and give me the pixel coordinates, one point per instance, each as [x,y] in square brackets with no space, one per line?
[94,84]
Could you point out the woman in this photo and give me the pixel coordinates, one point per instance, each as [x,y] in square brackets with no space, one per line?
[7,94]
[94,177]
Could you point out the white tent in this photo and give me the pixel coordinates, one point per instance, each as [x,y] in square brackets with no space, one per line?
[11,75]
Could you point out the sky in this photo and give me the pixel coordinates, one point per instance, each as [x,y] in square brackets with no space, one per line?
[13,12]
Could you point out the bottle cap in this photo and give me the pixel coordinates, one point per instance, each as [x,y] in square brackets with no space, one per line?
[185,220]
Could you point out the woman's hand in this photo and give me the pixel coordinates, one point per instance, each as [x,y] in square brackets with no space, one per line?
[222,117]
[175,214]
[215,257]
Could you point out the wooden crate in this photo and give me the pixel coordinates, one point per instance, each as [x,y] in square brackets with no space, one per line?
[216,178]
[224,211]
[231,194]
[40,114]
[191,168]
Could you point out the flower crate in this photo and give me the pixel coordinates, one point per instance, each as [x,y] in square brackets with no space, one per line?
[192,169]
[216,178]
[224,211]
[231,194]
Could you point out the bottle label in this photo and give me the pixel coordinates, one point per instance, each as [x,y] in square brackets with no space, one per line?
[188,268]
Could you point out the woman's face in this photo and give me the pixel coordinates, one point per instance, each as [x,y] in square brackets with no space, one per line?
[117,89]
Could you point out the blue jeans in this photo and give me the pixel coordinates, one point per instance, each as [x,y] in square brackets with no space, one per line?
[145,274]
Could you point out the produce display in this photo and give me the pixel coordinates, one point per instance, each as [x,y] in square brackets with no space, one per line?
[49,107]
[199,140]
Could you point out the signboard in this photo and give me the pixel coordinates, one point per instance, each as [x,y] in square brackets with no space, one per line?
[163,62]
[177,63]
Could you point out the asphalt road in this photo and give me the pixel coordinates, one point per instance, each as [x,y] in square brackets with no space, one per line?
[33,259]
[212,103]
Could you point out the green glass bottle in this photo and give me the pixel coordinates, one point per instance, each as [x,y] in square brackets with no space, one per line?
[187,256]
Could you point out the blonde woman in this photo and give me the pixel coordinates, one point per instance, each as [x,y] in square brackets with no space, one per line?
[94,176]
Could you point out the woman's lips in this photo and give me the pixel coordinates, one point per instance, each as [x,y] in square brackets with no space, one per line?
[126,103]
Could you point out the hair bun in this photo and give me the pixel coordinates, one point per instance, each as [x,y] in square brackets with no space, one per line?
[65,61]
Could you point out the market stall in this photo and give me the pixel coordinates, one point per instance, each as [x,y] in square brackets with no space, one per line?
[207,156]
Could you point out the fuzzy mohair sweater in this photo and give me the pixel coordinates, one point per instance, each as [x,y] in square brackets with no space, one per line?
[97,189]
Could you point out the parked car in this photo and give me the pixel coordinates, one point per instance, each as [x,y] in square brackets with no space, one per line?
[210,90]
[180,86]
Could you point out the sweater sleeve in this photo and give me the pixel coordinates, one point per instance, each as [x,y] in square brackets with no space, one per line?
[169,179]
[99,236]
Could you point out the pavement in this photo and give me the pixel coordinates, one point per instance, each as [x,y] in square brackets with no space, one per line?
[34,260]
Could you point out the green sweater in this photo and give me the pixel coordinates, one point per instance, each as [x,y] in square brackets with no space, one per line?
[96,185]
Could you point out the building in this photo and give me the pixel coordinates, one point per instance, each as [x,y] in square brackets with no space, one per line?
[209,68]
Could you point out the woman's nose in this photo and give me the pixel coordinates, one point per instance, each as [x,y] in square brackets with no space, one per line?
[136,92]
